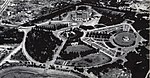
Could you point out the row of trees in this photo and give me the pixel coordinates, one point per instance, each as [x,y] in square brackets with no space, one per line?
[53,26]
[98,35]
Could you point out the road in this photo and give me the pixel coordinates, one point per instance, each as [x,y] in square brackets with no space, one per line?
[97,46]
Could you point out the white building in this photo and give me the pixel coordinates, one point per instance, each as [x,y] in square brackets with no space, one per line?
[82,13]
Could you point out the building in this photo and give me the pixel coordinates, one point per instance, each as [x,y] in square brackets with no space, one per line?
[82,13]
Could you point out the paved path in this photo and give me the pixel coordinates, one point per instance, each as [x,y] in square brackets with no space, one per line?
[26,30]
[12,53]
[58,52]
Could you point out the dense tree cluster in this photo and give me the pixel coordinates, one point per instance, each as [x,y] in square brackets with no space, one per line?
[108,20]
[11,36]
[139,70]
[104,69]
[40,44]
